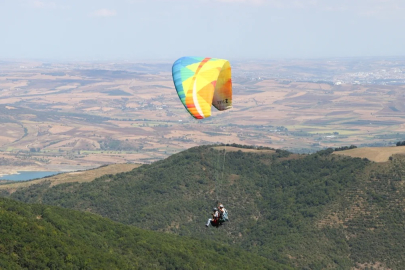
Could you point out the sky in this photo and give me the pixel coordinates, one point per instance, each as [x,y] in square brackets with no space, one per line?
[168,29]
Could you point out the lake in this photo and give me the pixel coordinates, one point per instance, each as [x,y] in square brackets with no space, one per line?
[27,175]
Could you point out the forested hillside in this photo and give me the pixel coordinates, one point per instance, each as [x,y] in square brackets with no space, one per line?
[309,211]
[47,237]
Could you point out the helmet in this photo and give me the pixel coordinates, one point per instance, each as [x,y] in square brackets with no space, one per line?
[221,206]
[215,209]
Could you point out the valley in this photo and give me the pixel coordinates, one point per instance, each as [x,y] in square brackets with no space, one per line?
[77,116]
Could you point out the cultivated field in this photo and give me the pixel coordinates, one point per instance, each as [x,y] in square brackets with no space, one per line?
[70,116]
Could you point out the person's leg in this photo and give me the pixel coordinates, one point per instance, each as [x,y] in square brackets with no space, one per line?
[208,222]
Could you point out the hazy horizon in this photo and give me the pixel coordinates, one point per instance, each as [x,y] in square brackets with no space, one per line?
[233,29]
[171,59]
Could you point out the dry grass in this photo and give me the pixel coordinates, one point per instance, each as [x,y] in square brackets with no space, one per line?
[79,177]
[376,154]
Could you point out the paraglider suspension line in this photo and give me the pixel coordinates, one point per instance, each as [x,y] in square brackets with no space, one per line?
[220,178]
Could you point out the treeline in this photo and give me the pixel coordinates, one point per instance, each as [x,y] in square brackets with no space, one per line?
[248,146]
[45,237]
[345,148]
[400,143]
[273,200]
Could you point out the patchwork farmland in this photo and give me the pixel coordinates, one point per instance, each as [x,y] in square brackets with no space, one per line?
[82,115]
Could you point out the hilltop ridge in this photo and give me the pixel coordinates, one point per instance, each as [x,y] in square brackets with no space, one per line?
[287,207]
[376,154]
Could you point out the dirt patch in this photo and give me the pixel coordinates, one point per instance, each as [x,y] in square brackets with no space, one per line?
[376,266]
[232,178]
[330,221]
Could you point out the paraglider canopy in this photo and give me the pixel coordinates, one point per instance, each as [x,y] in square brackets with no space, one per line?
[202,82]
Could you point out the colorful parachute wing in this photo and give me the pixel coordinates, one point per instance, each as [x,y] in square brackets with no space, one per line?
[202,82]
